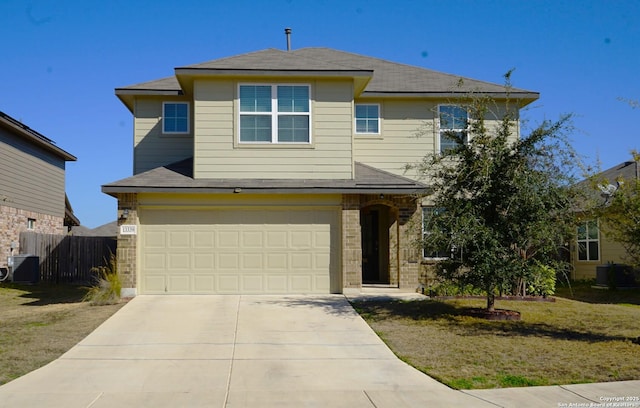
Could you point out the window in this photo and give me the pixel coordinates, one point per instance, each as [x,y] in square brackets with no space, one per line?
[368,119]
[31,224]
[175,117]
[274,114]
[427,215]
[453,122]
[588,241]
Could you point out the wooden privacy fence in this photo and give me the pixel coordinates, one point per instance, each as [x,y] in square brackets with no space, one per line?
[67,258]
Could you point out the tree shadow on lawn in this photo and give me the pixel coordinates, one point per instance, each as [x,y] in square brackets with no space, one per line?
[48,294]
[463,321]
[585,292]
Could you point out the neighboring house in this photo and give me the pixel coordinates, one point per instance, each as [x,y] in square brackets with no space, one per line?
[282,172]
[592,246]
[32,185]
[109,229]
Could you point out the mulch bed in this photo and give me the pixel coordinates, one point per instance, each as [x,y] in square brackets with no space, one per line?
[497,314]
[517,298]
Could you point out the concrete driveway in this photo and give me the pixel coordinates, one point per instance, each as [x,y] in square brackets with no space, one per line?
[231,351]
[254,351]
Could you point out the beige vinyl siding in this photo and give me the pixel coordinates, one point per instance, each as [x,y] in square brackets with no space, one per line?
[398,143]
[152,148]
[219,154]
[30,178]
[610,252]
[409,131]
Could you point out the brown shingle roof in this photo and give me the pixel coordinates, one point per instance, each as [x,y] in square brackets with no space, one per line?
[389,78]
[178,177]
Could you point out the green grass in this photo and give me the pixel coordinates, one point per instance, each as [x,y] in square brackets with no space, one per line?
[41,322]
[562,342]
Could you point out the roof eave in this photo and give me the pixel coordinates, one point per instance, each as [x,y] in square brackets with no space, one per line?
[66,156]
[127,96]
[115,190]
[527,97]
[185,76]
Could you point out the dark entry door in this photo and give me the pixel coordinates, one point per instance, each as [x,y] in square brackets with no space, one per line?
[370,226]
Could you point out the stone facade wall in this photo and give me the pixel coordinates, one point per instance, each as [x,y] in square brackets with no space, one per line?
[13,221]
[127,244]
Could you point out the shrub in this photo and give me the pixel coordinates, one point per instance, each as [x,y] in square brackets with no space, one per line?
[106,291]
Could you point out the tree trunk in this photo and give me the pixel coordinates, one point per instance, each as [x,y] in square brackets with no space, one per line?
[491,301]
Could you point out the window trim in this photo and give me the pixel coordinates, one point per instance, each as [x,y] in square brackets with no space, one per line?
[587,240]
[355,119]
[274,114]
[31,224]
[440,130]
[164,104]
[425,232]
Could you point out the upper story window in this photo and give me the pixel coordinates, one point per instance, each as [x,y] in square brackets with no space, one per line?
[453,124]
[175,117]
[588,241]
[275,114]
[368,118]
[427,227]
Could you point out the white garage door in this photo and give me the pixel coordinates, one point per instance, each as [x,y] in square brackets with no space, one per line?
[239,251]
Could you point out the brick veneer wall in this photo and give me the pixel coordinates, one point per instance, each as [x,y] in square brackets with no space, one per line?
[14,220]
[127,244]
[404,233]
[351,242]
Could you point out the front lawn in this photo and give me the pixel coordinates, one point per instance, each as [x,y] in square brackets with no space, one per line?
[562,342]
[41,322]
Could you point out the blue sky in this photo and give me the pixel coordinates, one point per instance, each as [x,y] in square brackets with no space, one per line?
[62,59]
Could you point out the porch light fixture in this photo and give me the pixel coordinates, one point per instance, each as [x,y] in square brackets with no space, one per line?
[381,196]
[125,213]
[237,190]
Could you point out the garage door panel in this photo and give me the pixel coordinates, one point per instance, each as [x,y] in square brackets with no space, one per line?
[301,283]
[252,284]
[203,261]
[154,283]
[239,251]
[276,284]
[204,284]
[252,239]
[179,283]
[203,239]
[276,261]
[178,261]
[228,261]
[301,261]
[276,239]
[179,239]
[229,283]
[252,261]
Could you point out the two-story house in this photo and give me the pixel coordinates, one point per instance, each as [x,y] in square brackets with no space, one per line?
[593,247]
[32,186]
[282,172]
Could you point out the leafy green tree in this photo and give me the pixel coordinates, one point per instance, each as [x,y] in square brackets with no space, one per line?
[507,202]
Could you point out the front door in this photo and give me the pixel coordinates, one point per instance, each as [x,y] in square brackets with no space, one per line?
[374,224]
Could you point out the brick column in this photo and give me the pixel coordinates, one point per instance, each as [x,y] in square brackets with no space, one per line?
[127,244]
[410,220]
[351,242]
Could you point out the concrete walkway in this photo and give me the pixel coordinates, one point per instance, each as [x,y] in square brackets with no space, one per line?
[254,351]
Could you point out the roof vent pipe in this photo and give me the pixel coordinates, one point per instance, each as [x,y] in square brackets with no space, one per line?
[287,32]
